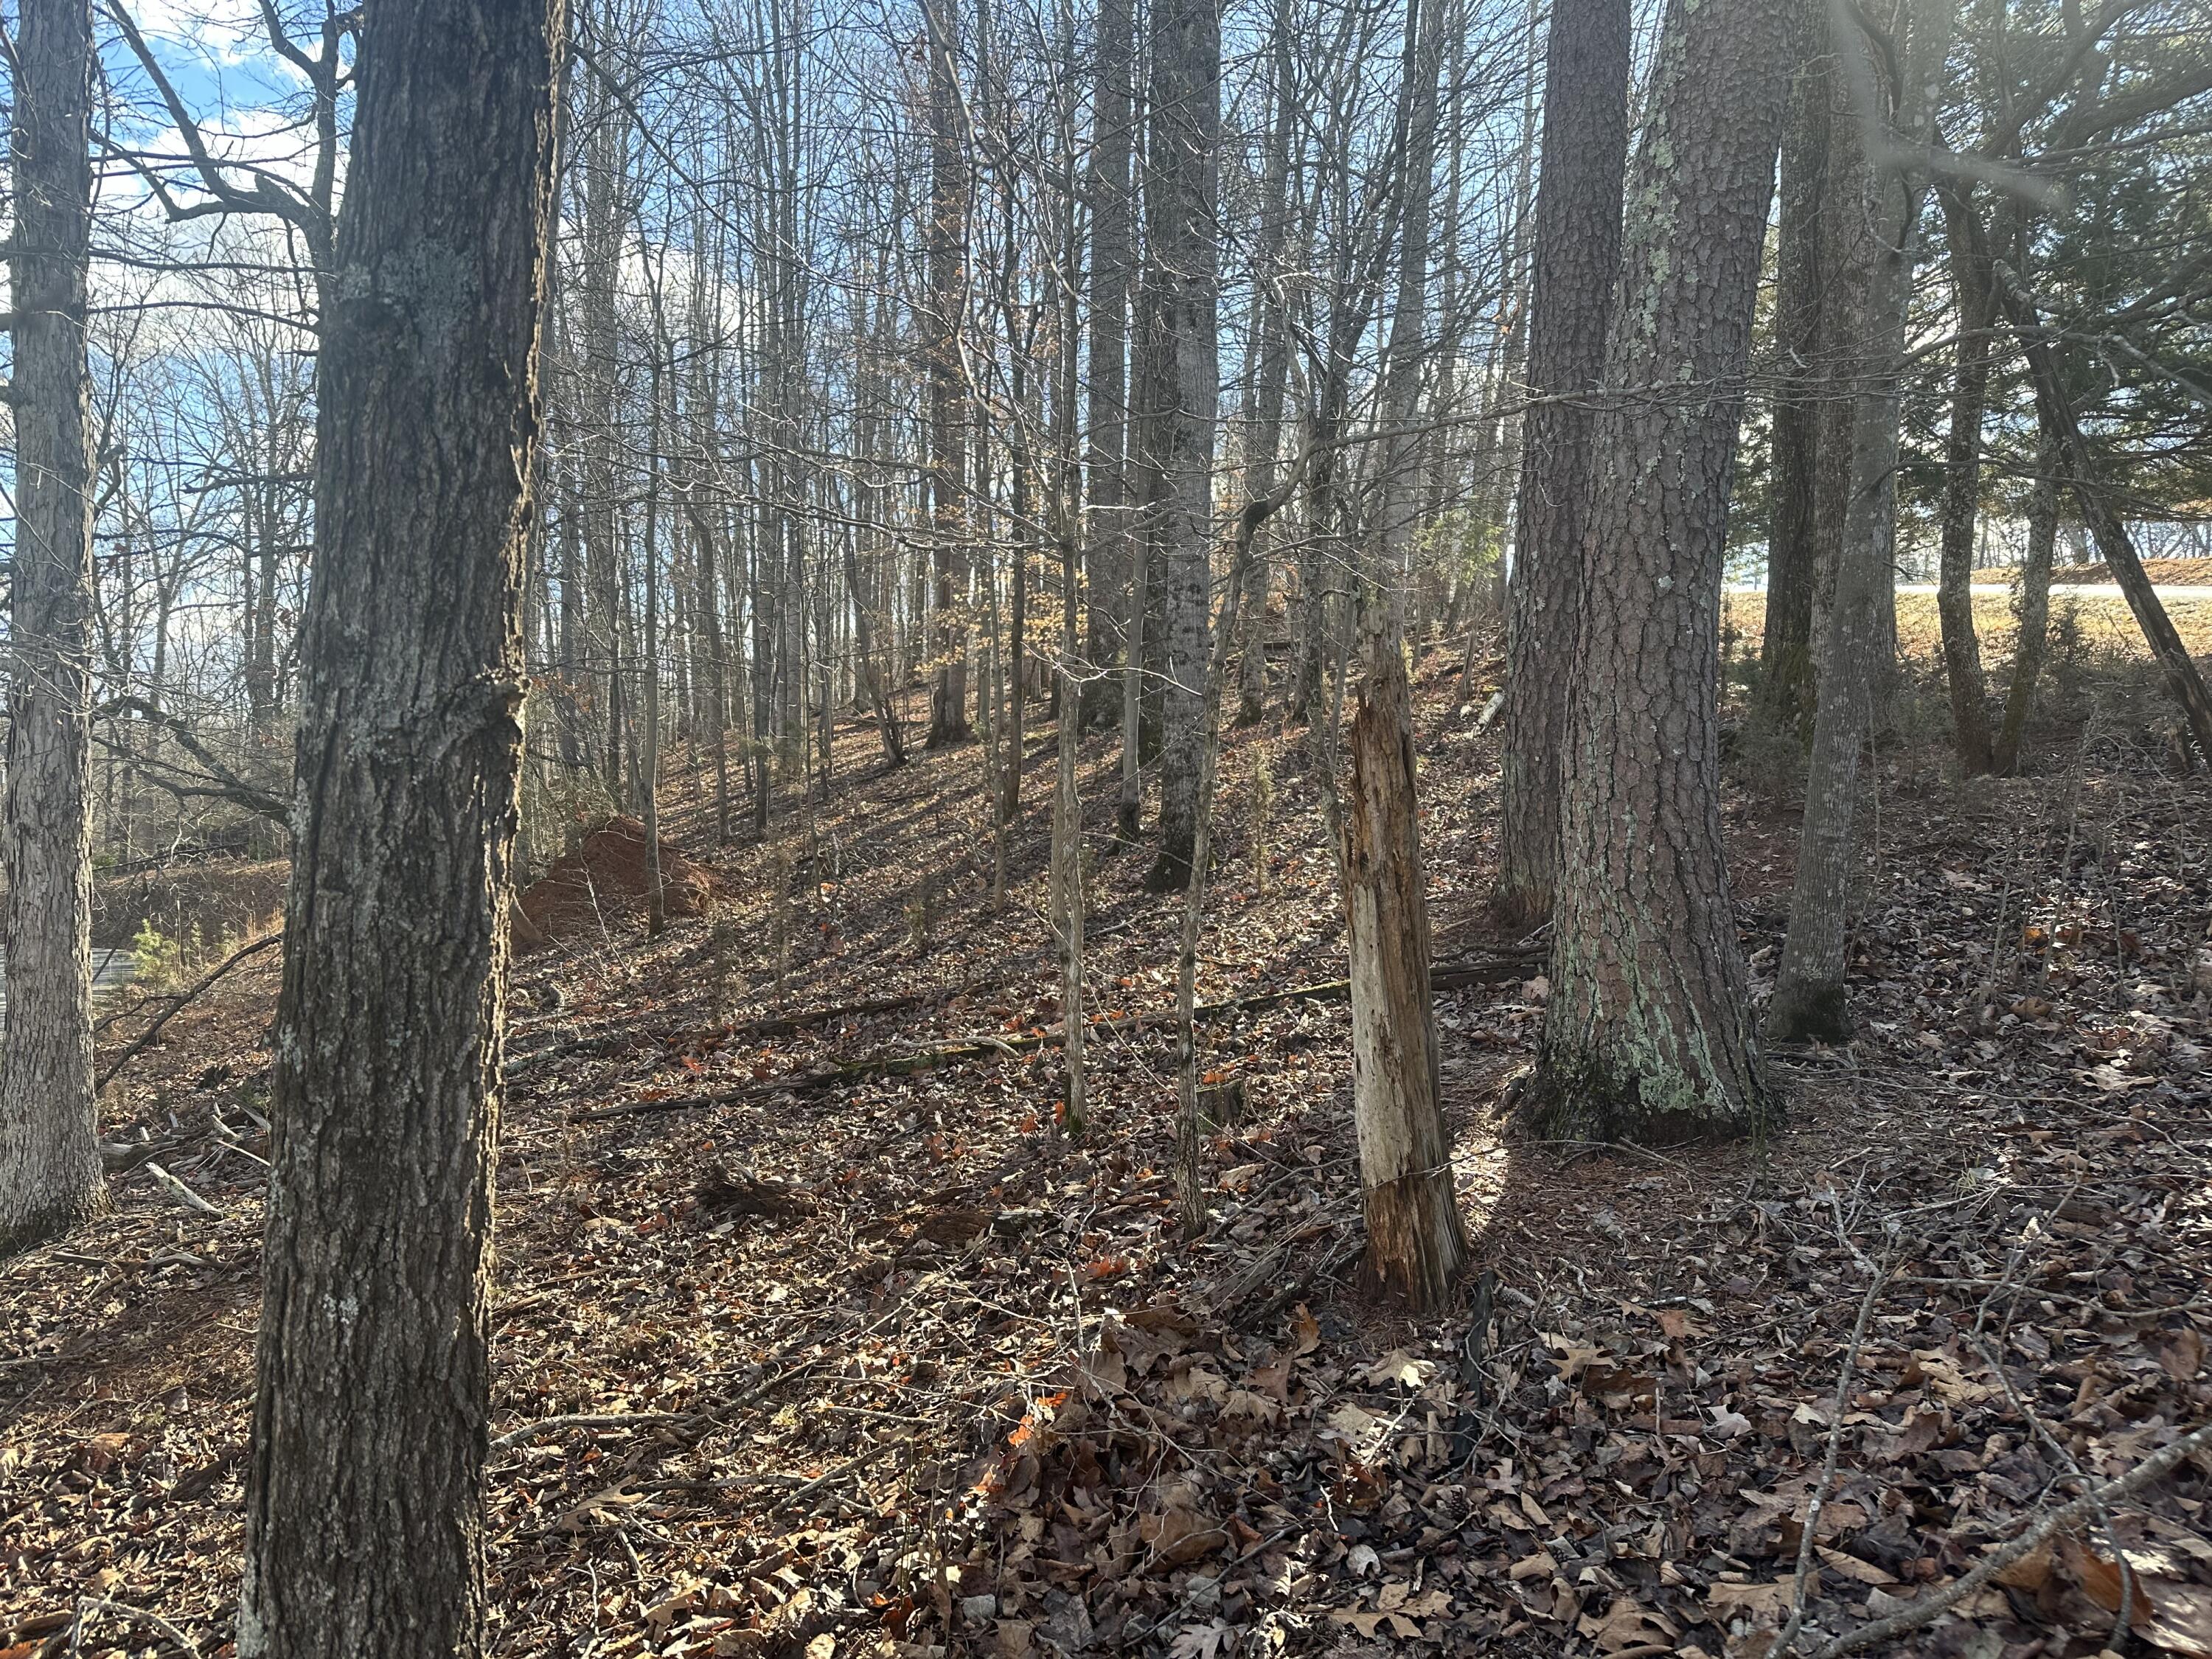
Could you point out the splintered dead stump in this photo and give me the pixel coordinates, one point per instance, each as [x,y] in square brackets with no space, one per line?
[606,880]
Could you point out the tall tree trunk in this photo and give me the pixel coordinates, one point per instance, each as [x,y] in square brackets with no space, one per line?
[2034,603]
[656,895]
[1108,553]
[50,1171]
[1962,491]
[1648,1033]
[946,239]
[364,1515]
[1416,1243]
[1847,255]
[1808,992]
[1577,235]
[1785,658]
[1272,348]
[1183,286]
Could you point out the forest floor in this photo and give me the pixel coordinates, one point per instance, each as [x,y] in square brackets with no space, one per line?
[894,1370]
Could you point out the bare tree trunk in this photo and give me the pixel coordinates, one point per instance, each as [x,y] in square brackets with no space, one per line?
[1107,553]
[1962,491]
[1577,235]
[948,445]
[364,1525]
[1808,992]
[1182,201]
[1271,346]
[2034,604]
[1416,1243]
[50,1171]
[1648,1033]
[656,894]
[1785,658]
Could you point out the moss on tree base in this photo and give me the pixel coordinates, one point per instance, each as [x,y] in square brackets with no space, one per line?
[1585,1096]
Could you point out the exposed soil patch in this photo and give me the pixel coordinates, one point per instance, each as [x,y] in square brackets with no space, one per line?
[605,881]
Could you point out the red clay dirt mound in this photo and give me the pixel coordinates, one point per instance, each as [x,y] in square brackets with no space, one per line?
[604,881]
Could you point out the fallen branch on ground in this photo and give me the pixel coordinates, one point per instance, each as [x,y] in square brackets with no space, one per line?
[180,1001]
[1926,1610]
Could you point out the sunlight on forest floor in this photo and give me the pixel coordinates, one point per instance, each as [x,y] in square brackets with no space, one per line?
[2104,622]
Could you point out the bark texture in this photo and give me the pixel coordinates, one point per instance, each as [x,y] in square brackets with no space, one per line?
[1106,419]
[50,1171]
[1416,1243]
[1647,1035]
[364,1481]
[1182,290]
[1577,261]
[948,409]
[1808,993]
[1785,680]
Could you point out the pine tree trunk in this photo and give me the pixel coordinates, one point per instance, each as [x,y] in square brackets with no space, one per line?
[49,1169]
[364,1528]
[1182,194]
[1648,1033]
[2034,605]
[1785,681]
[1577,236]
[1808,992]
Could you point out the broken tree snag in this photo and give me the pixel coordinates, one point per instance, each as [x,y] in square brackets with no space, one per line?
[1416,1244]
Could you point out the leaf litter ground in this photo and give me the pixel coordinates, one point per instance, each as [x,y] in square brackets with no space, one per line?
[885,1367]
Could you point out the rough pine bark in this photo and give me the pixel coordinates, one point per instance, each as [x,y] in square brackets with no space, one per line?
[1785,679]
[364,1529]
[1182,201]
[1648,1033]
[49,1169]
[1808,992]
[1577,260]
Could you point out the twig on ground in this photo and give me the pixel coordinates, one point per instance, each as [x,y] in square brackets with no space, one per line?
[182,1001]
[177,1189]
[123,1609]
[1803,1591]
[1926,1610]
